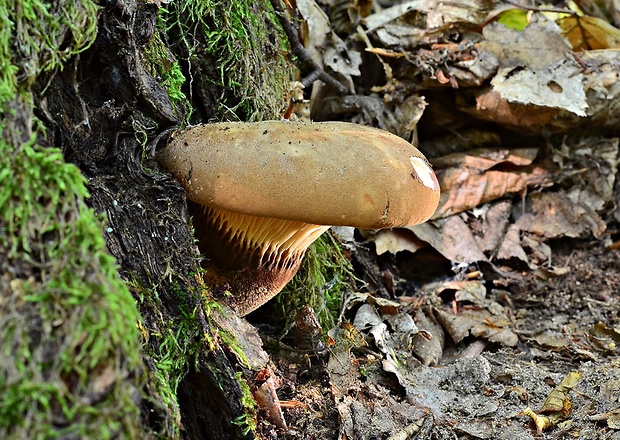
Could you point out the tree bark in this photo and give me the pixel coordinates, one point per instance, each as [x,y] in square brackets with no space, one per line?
[107,110]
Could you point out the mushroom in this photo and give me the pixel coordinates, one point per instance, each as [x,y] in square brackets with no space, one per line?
[261,193]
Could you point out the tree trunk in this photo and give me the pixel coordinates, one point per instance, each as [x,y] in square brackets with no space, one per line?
[105,86]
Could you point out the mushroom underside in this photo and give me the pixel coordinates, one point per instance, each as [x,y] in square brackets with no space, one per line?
[251,257]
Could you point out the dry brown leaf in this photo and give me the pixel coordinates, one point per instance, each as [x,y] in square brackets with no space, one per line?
[467,185]
[452,238]
[490,106]
[555,215]
[590,33]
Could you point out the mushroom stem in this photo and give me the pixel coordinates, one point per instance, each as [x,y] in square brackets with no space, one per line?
[252,256]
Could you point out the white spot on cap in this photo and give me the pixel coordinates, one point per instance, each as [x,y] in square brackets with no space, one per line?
[424,172]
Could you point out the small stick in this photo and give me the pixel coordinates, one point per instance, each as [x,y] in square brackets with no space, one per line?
[306,61]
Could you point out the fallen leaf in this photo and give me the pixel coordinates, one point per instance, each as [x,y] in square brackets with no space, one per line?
[545,76]
[452,238]
[471,179]
[491,106]
[589,33]
[555,215]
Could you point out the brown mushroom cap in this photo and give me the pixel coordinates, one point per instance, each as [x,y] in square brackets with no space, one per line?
[325,173]
[263,192]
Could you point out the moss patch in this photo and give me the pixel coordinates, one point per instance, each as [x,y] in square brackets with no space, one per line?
[325,274]
[162,65]
[234,54]
[67,319]
[70,364]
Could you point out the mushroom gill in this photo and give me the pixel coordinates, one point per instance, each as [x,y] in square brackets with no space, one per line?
[256,256]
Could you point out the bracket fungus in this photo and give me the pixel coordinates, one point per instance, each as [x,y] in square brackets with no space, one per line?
[261,193]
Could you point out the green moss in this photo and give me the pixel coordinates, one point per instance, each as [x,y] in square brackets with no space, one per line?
[242,44]
[325,274]
[44,35]
[173,347]
[247,421]
[70,363]
[161,64]
[66,322]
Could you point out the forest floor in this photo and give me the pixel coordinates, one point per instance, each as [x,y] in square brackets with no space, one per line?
[477,388]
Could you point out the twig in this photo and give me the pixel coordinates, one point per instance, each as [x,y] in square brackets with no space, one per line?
[306,61]
[538,9]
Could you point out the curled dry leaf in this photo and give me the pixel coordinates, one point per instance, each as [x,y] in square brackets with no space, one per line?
[452,238]
[557,401]
[471,179]
[557,406]
[267,399]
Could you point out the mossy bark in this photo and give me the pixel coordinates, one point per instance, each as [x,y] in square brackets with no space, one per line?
[93,348]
